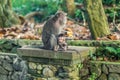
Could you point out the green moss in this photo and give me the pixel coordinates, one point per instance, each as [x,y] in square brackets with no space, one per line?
[95,43]
[105,62]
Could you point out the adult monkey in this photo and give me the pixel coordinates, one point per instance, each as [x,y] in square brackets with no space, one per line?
[52,28]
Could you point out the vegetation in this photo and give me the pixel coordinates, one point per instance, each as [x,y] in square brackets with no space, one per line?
[93,76]
[106,54]
[24,7]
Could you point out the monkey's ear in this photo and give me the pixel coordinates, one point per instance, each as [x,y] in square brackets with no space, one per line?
[59,12]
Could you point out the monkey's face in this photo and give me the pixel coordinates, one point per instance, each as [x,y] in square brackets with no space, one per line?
[62,17]
[61,39]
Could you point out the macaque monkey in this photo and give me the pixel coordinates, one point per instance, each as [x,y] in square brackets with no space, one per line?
[52,28]
[62,45]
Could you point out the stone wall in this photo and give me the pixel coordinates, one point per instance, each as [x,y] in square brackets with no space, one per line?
[105,70]
[12,67]
[53,72]
[54,65]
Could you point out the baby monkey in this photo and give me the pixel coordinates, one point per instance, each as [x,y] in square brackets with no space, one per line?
[61,43]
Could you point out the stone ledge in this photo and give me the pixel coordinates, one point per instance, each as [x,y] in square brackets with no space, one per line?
[8,54]
[74,54]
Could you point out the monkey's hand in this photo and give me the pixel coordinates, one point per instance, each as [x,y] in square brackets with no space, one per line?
[56,48]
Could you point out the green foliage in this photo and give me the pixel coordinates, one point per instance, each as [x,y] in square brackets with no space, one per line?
[80,65]
[108,2]
[8,46]
[110,53]
[26,6]
[113,9]
[93,76]
[79,1]
[111,50]
[112,12]
[78,14]
[92,56]
[49,7]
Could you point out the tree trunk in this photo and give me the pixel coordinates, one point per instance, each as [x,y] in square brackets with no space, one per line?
[69,6]
[96,18]
[7,16]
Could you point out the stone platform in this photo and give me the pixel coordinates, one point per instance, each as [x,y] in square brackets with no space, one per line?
[73,55]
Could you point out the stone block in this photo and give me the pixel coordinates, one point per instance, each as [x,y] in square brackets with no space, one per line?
[105,69]
[95,68]
[32,65]
[7,66]
[103,77]
[47,72]
[3,77]
[3,71]
[84,72]
[114,76]
[115,68]
[73,55]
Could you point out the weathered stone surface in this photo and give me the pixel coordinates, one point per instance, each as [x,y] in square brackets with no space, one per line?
[7,66]
[52,78]
[16,76]
[1,59]
[12,67]
[95,68]
[105,69]
[72,53]
[47,72]
[32,65]
[0,62]
[114,76]
[16,64]
[3,77]
[8,59]
[103,77]
[115,68]
[53,68]
[39,72]
[10,75]
[84,78]
[39,67]
[32,72]
[84,72]
[68,69]
[73,74]
[3,71]
[63,75]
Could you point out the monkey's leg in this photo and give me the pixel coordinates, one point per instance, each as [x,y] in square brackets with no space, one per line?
[64,46]
[52,42]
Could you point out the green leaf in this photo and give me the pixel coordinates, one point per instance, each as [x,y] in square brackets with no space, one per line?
[2,41]
[111,49]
